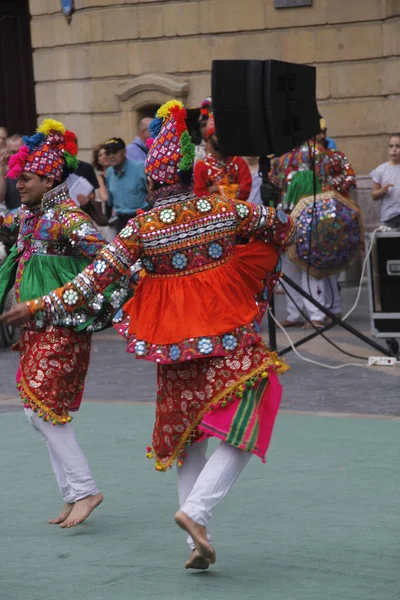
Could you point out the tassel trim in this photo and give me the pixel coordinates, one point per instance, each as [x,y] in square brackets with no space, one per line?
[234,391]
[43,411]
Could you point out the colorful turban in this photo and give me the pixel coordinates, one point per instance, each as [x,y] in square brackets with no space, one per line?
[210,129]
[205,110]
[46,152]
[172,149]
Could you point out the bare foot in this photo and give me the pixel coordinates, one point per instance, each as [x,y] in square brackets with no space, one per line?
[81,510]
[63,515]
[198,534]
[196,561]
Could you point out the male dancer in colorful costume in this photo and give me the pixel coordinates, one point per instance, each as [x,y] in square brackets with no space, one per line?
[292,174]
[56,240]
[195,313]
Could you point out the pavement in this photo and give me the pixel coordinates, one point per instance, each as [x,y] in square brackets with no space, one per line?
[319,521]
[115,376]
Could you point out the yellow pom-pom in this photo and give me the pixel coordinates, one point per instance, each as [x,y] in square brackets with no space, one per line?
[51,125]
[159,468]
[149,455]
[264,375]
[54,423]
[164,110]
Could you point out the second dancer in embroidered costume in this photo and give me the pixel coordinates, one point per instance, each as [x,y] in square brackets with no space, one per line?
[56,240]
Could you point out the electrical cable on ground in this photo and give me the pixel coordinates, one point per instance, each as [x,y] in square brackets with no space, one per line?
[321,333]
[310,360]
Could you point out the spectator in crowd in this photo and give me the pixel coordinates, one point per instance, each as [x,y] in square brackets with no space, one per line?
[3,138]
[9,195]
[138,149]
[218,174]
[126,183]
[386,184]
[14,143]
[205,111]
[100,165]
[255,194]
[88,201]
[322,137]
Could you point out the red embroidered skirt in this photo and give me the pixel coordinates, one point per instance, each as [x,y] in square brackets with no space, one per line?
[52,372]
[235,398]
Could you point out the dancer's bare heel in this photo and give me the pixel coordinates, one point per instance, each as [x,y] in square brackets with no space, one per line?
[196,561]
[199,535]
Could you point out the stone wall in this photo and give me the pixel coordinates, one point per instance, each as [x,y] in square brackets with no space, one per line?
[117,57]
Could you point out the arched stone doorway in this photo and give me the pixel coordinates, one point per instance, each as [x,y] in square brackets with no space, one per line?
[141,96]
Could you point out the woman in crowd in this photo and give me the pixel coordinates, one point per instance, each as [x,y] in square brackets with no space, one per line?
[100,164]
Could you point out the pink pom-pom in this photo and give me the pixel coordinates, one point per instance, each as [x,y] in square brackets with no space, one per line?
[17,162]
[149,142]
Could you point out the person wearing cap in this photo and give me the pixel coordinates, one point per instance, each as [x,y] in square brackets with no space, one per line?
[196,314]
[126,183]
[55,241]
[322,137]
[216,173]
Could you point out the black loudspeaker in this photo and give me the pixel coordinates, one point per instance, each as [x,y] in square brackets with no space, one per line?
[263,107]
[384,283]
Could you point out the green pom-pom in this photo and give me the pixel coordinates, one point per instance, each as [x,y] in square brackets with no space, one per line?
[188,152]
[71,161]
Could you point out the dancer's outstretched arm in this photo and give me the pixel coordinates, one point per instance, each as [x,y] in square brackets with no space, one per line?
[255,220]
[110,264]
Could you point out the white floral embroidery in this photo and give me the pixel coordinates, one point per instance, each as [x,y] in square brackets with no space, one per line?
[148,265]
[179,260]
[242,210]
[126,232]
[85,229]
[203,205]
[70,297]
[167,215]
[174,352]
[215,250]
[229,341]
[205,345]
[100,266]
[140,348]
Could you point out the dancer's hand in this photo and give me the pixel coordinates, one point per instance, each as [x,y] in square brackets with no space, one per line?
[19,315]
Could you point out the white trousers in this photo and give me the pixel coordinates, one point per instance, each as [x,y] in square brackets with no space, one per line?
[69,464]
[203,483]
[325,291]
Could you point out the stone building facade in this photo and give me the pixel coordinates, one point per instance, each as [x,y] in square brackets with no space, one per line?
[118,59]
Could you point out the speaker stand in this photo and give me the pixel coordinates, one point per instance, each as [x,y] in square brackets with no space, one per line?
[335,320]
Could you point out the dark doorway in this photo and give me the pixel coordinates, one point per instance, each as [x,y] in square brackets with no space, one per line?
[17,92]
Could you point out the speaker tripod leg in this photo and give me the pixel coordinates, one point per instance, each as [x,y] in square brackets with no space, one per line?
[335,320]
